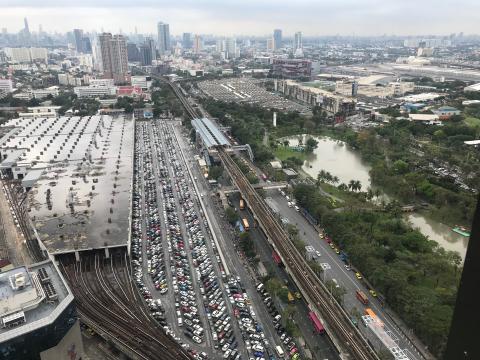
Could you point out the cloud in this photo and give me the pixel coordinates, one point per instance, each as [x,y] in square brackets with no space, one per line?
[249,17]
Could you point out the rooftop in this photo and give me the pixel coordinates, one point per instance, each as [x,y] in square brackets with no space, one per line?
[31,298]
[209,132]
[79,170]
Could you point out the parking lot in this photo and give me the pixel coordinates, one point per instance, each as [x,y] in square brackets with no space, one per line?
[249,91]
[177,266]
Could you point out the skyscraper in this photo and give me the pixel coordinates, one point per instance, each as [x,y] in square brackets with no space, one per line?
[78,34]
[298,41]
[26,28]
[163,38]
[150,43]
[198,44]
[277,38]
[145,55]
[230,48]
[114,57]
[187,41]
[133,53]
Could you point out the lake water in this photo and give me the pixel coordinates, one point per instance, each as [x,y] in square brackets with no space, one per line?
[338,159]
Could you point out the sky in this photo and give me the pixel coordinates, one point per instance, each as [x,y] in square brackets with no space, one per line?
[248,17]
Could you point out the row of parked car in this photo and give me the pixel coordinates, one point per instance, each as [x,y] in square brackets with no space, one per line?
[186,302]
[284,337]
[144,188]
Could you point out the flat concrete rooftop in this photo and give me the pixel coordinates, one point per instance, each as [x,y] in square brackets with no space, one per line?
[31,298]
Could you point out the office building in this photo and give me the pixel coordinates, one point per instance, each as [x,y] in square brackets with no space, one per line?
[144,82]
[43,93]
[150,43]
[94,91]
[133,53]
[298,41]
[38,317]
[187,41]
[78,35]
[145,55]
[292,68]
[114,57]
[277,39]
[163,38]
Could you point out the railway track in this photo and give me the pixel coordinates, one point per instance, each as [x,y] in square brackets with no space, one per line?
[105,295]
[311,286]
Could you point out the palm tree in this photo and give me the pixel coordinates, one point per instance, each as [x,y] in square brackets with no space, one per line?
[343,187]
[351,185]
[286,143]
[335,180]
[328,177]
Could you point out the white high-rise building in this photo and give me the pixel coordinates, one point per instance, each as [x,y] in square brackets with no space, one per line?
[97,55]
[298,41]
[230,48]
[163,38]
[270,45]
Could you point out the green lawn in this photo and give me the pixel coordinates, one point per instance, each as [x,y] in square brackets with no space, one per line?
[472,121]
[283,153]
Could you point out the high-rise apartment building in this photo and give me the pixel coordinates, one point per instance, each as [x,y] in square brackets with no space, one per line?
[277,39]
[78,35]
[150,43]
[97,54]
[145,55]
[230,48]
[163,38]
[187,41]
[133,53]
[114,57]
[298,41]
[270,44]
[197,44]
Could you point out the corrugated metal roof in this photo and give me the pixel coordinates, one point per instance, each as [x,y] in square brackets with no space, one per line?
[210,134]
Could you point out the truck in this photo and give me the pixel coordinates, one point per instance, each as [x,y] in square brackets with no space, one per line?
[362,297]
[242,204]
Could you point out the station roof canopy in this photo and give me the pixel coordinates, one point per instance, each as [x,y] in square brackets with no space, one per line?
[209,132]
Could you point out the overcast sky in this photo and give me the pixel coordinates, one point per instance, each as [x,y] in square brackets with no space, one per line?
[248,17]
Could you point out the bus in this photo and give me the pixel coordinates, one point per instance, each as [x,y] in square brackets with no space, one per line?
[276,258]
[374,316]
[246,226]
[362,297]
[242,204]
[317,324]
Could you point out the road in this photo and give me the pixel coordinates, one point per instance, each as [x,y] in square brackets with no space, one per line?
[338,271]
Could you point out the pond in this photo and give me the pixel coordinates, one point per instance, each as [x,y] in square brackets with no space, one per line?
[338,159]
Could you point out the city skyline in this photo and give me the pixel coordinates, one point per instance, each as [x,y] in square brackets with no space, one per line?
[313,18]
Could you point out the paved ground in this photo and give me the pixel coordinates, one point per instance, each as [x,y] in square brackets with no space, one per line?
[13,238]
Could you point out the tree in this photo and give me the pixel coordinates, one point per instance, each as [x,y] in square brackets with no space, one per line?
[247,245]
[232,216]
[400,167]
[286,143]
[310,145]
[215,172]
